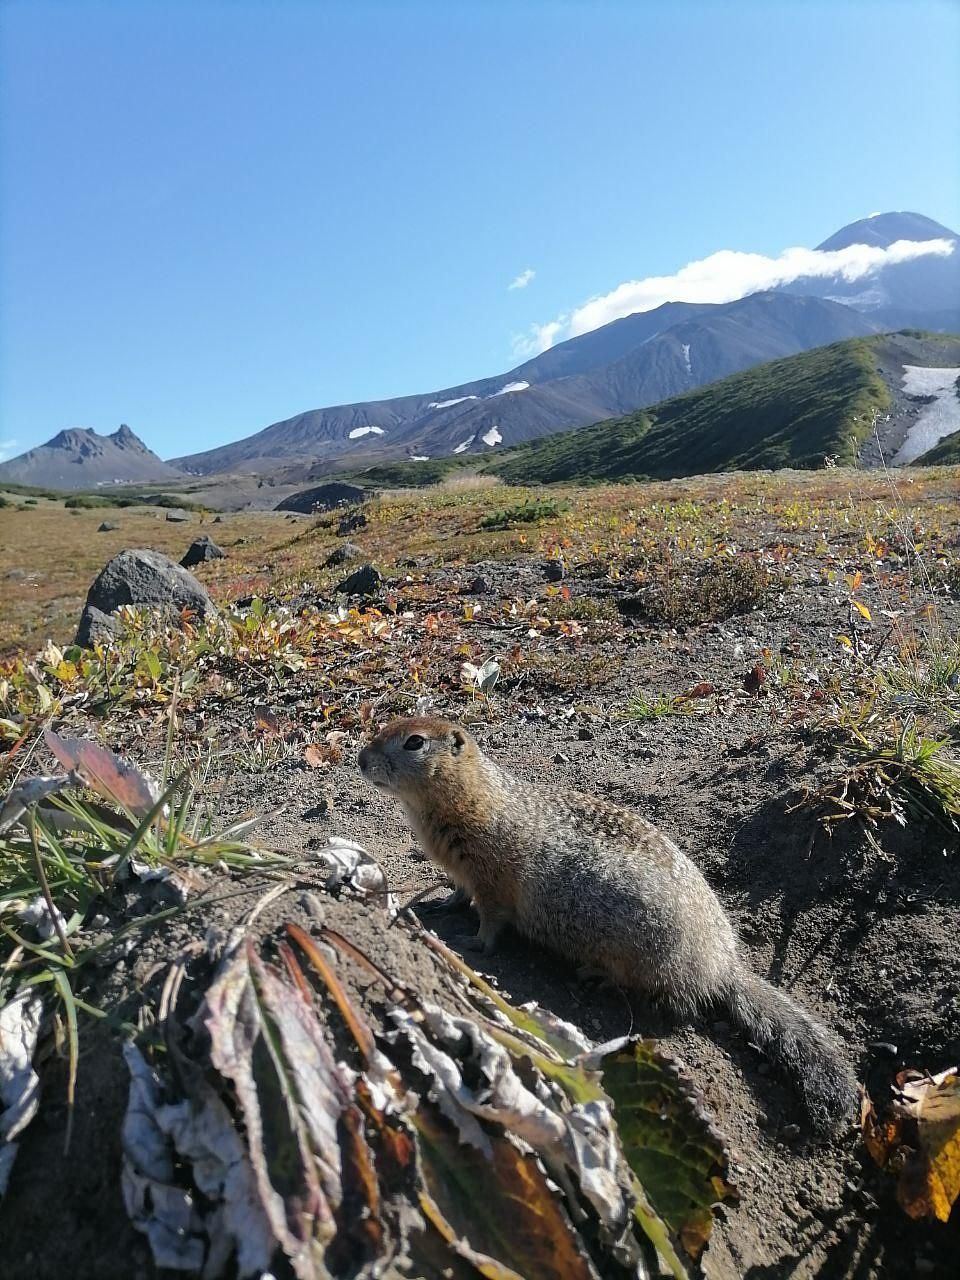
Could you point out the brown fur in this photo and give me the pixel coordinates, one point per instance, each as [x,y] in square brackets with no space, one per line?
[597,883]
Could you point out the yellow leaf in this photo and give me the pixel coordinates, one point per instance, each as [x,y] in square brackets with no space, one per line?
[862,610]
[845,641]
[918,1137]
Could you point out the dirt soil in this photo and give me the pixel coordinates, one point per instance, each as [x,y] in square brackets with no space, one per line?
[863,933]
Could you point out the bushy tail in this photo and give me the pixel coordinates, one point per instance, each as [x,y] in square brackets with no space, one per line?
[807,1051]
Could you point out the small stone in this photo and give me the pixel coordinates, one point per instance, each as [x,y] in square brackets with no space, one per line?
[107,526]
[313,906]
[343,554]
[478,587]
[365,581]
[585,734]
[560,758]
[201,550]
[553,570]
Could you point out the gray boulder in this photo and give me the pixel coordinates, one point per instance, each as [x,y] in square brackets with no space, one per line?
[365,581]
[107,526]
[176,516]
[200,550]
[343,554]
[143,578]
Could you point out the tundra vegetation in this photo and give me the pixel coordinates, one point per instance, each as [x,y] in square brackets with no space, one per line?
[202,910]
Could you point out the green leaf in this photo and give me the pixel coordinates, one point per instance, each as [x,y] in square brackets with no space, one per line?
[669,1141]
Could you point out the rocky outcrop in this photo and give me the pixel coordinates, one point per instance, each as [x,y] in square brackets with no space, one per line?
[324,497]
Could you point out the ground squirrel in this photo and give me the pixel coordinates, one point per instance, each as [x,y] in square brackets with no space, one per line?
[599,884]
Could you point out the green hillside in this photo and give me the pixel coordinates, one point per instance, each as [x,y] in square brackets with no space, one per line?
[787,413]
[944,453]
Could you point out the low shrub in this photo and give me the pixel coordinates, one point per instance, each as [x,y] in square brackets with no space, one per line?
[522,513]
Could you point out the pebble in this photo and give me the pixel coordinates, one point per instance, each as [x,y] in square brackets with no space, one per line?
[313,907]
[883,1046]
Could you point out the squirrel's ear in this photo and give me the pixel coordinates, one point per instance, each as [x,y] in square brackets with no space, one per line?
[458,740]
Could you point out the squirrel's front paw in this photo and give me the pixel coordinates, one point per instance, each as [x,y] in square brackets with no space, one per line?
[472,942]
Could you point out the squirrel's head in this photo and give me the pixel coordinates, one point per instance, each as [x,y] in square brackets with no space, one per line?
[416,756]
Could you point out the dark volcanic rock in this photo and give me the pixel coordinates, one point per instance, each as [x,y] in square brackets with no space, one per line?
[631,606]
[201,549]
[322,498]
[351,521]
[139,577]
[365,581]
[553,570]
[106,527]
[343,554]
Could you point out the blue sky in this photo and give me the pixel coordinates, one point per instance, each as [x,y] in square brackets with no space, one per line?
[216,215]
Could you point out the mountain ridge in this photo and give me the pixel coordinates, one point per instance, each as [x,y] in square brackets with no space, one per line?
[81,458]
[634,361]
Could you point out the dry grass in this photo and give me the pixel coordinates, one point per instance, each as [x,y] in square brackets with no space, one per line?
[49,556]
[833,517]
[467,482]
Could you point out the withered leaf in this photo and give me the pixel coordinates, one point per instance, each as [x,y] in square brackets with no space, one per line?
[105,773]
[498,1212]
[265,1039]
[319,755]
[920,1135]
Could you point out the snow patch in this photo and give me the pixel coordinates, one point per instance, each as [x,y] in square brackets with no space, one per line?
[419,457]
[685,347]
[357,432]
[936,420]
[445,404]
[511,386]
[462,448]
[492,436]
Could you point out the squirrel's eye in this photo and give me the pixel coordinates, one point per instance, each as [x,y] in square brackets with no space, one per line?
[414,742]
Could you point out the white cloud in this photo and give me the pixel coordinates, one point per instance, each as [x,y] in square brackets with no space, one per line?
[8,449]
[723,277]
[522,280]
[540,338]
